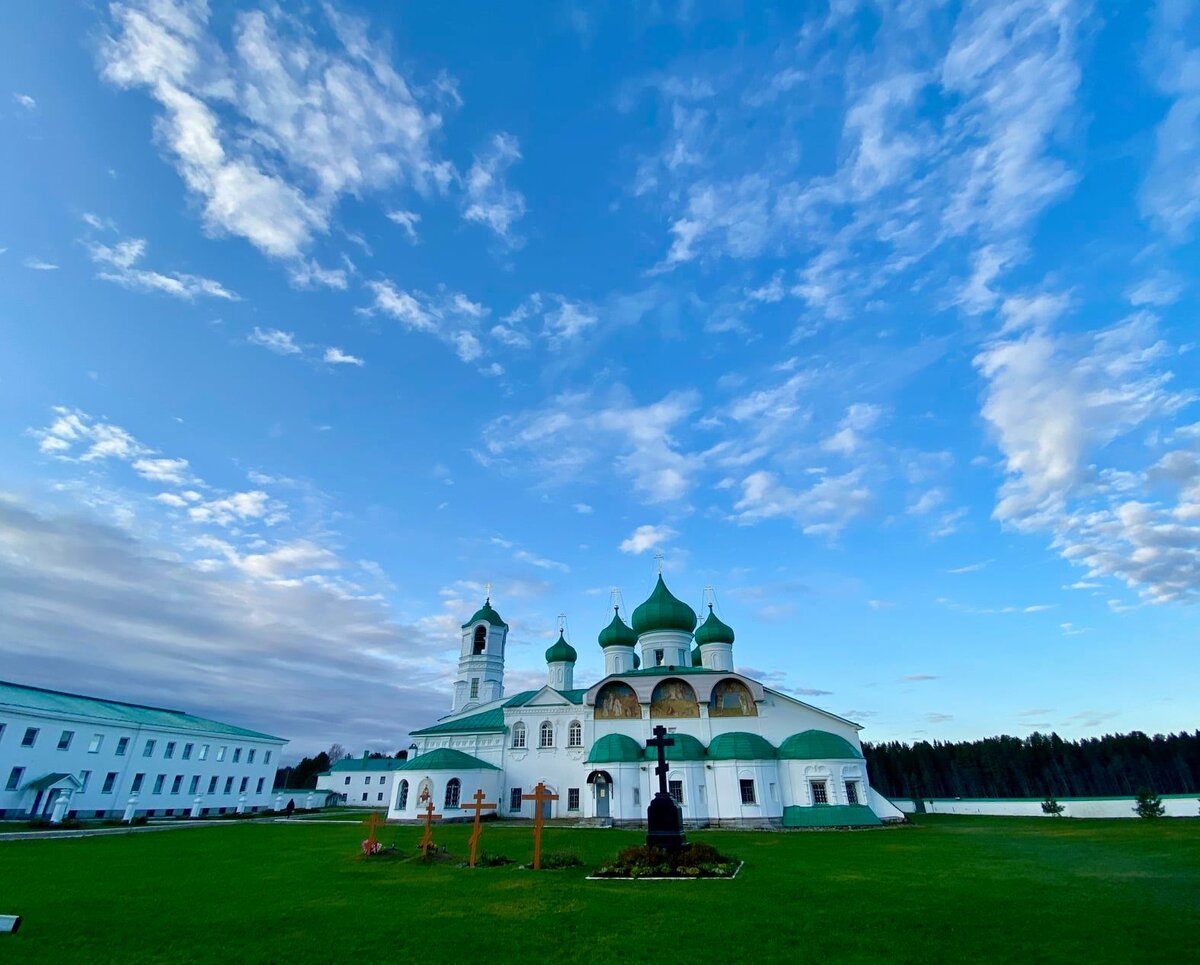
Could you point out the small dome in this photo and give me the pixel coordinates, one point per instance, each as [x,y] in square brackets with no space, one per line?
[662,611]
[561,651]
[487,615]
[615,749]
[713,630]
[617,634]
[637,661]
[817,745]
[685,748]
[740,746]
[697,657]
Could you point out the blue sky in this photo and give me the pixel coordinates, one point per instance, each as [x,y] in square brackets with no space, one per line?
[880,321]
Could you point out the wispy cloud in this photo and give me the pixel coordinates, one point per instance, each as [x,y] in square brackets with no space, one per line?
[274,340]
[489,200]
[647,537]
[118,263]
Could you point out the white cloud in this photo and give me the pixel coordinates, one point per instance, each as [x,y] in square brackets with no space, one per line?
[118,265]
[274,340]
[270,133]
[583,509]
[335,356]
[38,265]
[647,537]
[567,322]
[234,508]
[822,509]
[309,274]
[162,469]
[449,316]
[489,200]
[288,560]
[408,220]
[1161,288]
[75,436]
[467,346]
[25,101]
[860,418]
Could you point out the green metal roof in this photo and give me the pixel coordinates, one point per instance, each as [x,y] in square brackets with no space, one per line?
[487,614]
[134,715]
[490,721]
[713,630]
[525,696]
[615,749]
[817,745]
[663,611]
[617,634]
[830,816]
[561,651]
[686,748]
[740,746]
[446,759]
[697,657]
[366,764]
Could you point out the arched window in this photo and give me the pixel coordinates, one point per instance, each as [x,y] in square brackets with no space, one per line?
[402,796]
[453,792]
[575,734]
[518,734]
[546,734]
[480,640]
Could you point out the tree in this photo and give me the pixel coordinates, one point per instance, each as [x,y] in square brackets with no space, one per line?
[1051,806]
[1149,804]
[336,752]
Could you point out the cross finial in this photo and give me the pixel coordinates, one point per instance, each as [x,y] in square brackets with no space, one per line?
[660,558]
[614,597]
[709,597]
[487,587]
[562,623]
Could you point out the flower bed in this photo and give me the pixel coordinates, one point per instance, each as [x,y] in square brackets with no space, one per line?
[695,861]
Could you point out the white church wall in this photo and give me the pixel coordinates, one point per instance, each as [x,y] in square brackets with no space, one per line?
[1177,806]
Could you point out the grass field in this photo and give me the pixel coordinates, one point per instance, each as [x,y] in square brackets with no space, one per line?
[950,889]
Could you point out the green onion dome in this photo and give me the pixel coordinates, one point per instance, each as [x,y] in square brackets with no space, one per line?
[486,614]
[697,658]
[662,611]
[617,634]
[713,630]
[637,661]
[561,651]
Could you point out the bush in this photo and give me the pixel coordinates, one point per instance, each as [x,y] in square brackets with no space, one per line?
[556,860]
[42,824]
[486,860]
[1051,806]
[697,861]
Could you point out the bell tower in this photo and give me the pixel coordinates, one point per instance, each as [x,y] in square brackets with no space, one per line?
[481,660]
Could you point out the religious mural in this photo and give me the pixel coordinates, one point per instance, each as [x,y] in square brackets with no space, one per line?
[674,698]
[732,698]
[617,701]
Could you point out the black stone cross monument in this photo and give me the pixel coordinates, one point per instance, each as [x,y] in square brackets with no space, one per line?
[664,819]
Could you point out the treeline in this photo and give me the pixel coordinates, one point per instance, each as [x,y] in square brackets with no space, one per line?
[303,776]
[1038,765]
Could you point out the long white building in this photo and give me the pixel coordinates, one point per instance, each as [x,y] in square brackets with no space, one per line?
[742,753]
[66,755]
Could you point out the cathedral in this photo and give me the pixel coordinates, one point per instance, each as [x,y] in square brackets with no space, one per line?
[742,754]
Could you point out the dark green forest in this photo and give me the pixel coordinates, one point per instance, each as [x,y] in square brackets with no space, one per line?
[1036,766]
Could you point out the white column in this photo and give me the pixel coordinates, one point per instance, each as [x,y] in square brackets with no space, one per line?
[60,807]
[308,801]
[278,802]
[241,808]
[196,809]
[130,808]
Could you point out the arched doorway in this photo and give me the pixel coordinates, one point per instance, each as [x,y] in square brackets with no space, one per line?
[602,784]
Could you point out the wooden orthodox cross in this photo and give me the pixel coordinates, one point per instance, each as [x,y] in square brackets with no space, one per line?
[426,844]
[661,742]
[539,796]
[478,807]
[372,842]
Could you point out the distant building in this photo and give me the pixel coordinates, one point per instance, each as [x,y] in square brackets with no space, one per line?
[360,781]
[66,755]
[742,754]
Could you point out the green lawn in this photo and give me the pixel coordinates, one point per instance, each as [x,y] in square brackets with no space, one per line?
[951,889]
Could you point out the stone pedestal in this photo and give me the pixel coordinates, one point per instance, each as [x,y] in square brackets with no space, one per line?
[664,824]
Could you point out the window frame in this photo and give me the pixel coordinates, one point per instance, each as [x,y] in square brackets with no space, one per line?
[138,781]
[177,784]
[747,784]
[148,747]
[122,747]
[169,750]
[65,739]
[187,752]
[819,791]
[402,796]
[520,736]
[95,743]
[110,782]
[159,781]
[515,800]
[84,777]
[852,792]
[453,800]
[14,778]
[573,799]
[30,737]
[543,727]
[672,788]
[575,734]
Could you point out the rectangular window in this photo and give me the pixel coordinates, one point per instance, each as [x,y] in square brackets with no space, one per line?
[747,789]
[364,796]
[136,786]
[84,777]
[675,789]
[250,756]
[212,785]
[237,754]
[169,751]
[819,793]
[851,792]
[64,740]
[2,731]
[474,688]
[122,746]
[383,779]
[110,781]
[177,784]
[194,785]
[258,790]
[158,783]
[267,757]
[148,750]
[203,752]
[658,658]
[14,778]
[347,778]
[378,797]
[701,793]
[97,742]
[367,779]
[514,799]
[221,752]
[30,736]
[187,751]
[229,785]
[572,799]
[242,787]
